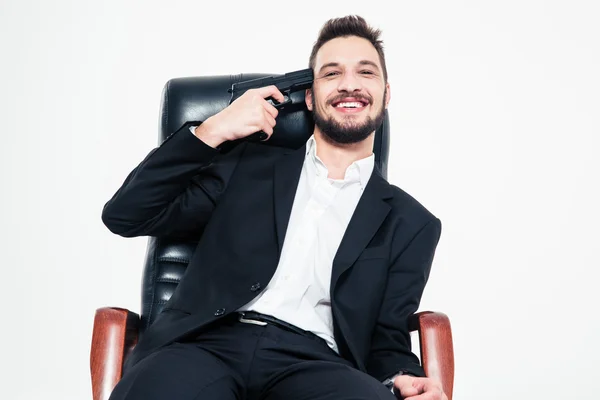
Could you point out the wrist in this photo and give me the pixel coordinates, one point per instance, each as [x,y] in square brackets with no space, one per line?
[206,132]
[389,382]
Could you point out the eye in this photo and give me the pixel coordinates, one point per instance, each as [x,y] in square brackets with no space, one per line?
[366,72]
[331,73]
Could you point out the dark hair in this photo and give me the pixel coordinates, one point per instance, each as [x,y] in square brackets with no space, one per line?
[351,25]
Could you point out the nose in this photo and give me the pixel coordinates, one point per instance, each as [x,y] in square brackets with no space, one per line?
[349,83]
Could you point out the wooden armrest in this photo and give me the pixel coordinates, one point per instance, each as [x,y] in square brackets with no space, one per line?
[437,349]
[115,335]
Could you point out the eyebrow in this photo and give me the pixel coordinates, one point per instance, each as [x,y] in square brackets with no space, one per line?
[361,62]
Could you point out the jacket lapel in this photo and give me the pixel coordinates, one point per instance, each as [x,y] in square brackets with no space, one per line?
[285,180]
[370,213]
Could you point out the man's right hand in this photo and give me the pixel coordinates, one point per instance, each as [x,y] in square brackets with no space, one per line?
[248,114]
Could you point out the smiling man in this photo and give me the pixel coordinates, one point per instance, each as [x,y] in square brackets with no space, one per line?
[309,264]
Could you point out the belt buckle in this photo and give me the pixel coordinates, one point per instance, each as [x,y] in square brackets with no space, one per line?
[251,321]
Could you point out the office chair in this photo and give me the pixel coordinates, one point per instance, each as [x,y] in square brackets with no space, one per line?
[117,330]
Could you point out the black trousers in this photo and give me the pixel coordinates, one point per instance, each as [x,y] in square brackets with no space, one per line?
[236,360]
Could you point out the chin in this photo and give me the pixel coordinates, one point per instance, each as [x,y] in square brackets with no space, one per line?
[351,120]
[346,129]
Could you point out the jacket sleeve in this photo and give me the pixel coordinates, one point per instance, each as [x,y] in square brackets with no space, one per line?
[173,191]
[391,350]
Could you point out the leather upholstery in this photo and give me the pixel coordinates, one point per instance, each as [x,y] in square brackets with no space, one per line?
[193,99]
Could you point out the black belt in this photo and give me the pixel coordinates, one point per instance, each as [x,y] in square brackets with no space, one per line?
[253,317]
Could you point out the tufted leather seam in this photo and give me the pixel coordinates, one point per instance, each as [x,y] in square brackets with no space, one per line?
[166,106]
[151,303]
[167,280]
[158,302]
[173,259]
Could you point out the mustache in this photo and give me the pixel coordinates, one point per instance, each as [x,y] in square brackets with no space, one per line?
[360,97]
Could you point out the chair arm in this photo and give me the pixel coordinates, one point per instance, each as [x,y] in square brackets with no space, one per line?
[115,335]
[437,349]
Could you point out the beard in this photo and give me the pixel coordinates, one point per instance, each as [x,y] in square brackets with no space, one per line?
[347,132]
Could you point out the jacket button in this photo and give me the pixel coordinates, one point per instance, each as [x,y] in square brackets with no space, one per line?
[220,311]
[255,287]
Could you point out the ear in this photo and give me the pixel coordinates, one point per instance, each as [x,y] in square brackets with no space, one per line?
[388,94]
[308,99]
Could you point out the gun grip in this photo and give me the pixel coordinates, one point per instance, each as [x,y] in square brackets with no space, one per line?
[257,137]
[260,135]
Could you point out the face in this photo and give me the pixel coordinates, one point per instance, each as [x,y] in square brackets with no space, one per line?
[349,94]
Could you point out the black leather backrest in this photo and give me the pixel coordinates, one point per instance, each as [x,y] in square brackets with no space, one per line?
[195,99]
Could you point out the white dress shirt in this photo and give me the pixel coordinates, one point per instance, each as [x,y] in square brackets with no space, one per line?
[299,291]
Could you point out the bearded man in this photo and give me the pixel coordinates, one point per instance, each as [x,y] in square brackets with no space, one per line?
[309,263]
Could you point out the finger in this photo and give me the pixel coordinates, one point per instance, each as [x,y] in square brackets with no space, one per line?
[266,127]
[270,109]
[433,394]
[407,391]
[425,396]
[271,121]
[266,134]
[431,385]
[271,91]
[408,386]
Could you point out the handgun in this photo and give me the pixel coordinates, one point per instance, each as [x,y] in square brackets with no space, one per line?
[287,84]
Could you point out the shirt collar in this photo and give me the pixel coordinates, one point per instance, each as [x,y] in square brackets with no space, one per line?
[358,171]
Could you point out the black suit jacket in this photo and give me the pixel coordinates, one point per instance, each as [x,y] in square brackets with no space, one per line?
[239,204]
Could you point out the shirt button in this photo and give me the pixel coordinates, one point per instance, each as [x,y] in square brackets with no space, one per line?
[220,311]
[255,287]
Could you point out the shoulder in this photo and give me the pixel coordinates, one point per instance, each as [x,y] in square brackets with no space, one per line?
[410,219]
[409,212]
[402,201]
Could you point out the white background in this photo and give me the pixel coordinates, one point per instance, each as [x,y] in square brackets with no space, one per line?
[495,129]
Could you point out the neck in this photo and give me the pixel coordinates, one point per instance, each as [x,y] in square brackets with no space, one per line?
[338,157]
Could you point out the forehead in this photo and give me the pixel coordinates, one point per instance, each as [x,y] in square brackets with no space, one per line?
[347,51]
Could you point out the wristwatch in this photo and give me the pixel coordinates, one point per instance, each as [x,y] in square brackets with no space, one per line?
[389,382]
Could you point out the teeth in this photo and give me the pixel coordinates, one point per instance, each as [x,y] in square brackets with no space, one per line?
[350,105]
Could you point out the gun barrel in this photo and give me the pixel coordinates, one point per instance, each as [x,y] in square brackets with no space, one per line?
[296,80]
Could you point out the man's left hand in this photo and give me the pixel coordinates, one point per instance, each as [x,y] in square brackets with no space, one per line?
[415,388]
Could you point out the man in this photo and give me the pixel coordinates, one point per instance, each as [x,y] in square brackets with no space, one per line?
[309,263]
